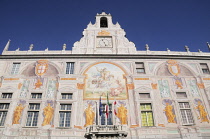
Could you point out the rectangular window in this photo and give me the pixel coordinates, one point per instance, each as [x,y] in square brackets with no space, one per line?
[36,95]
[65,115]
[181,94]
[6,95]
[144,95]
[3,112]
[146,114]
[33,113]
[204,68]
[69,67]
[15,68]
[66,95]
[4,106]
[140,68]
[186,113]
[104,120]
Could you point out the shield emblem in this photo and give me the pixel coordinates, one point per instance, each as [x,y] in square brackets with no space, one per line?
[41,67]
[173,67]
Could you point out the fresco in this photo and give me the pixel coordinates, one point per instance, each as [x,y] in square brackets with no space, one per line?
[164,88]
[51,88]
[105,79]
[24,88]
[193,88]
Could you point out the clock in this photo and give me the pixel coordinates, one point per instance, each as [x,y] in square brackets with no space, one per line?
[104,41]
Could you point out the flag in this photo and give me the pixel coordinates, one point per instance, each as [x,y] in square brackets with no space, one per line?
[107,106]
[115,109]
[100,107]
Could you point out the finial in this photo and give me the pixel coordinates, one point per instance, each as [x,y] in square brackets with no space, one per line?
[31,47]
[46,49]
[167,49]
[208,45]
[199,51]
[18,49]
[187,48]
[7,46]
[147,47]
[64,47]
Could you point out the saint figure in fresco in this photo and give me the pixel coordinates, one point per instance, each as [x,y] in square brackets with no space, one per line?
[122,114]
[169,113]
[104,73]
[48,113]
[17,114]
[90,115]
[202,112]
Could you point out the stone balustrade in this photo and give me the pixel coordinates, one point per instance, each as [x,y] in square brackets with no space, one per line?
[110,131]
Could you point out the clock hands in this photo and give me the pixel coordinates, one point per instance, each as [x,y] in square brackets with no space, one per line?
[104,42]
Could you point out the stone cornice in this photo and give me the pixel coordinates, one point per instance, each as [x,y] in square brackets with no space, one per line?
[106,56]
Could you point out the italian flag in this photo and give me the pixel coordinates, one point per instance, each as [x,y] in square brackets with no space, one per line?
[107,106]
[115,109]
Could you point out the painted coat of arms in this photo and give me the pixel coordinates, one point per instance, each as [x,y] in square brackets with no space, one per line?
[41,67]
[173,67]
[105,79]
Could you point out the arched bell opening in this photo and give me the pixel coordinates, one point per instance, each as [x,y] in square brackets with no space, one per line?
[103,22]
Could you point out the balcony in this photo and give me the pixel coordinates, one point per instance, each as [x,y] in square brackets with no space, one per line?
[110,131]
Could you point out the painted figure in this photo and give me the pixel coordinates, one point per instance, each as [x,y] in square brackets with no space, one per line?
[48,113]
[104,73]
[17,114]
[90,115]
[202,112]
[179,84]
[122,114]
[118,90]
[169,113]
[38,84]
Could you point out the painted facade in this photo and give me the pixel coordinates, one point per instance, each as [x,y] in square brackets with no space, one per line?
[56,94]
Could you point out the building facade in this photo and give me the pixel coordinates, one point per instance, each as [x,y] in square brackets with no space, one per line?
[103,88]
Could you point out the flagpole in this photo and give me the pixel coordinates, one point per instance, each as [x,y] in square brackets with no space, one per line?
[96,113]
[100,112]
[106,108]
[115,108]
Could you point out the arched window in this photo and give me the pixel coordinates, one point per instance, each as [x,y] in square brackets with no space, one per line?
[103,22]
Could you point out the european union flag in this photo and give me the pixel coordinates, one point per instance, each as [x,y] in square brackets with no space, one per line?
[100,107]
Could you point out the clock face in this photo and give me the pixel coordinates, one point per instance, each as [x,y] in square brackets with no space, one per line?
[104,42]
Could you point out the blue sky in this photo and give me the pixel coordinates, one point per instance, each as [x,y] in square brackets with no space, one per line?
[51,23]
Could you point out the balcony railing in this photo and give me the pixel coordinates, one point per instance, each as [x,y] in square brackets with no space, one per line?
[96,131]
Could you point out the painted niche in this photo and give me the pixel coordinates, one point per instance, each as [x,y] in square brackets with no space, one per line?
[105,79]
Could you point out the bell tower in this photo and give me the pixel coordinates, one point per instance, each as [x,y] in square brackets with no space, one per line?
[103,20]
[103,37]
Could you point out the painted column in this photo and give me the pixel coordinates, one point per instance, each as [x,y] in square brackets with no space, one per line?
[131,104]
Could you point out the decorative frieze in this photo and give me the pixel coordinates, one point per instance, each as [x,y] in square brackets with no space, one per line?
[11,79]
[103,33]
[141,78]
[68,78]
